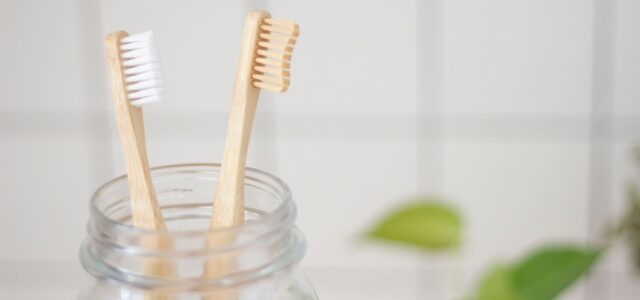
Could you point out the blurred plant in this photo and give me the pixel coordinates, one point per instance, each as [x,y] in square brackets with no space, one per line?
[543,274]
[631,227]
[425,223]
[428,224]
[628,229]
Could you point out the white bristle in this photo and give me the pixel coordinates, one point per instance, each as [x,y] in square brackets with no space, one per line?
[141,68]
[144,36]
[146,93]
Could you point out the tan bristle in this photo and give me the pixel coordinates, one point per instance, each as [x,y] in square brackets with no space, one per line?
[273,63]
[274,55]
[270,79]
[268,45]
[276,38]
[272,71]
[292,32]
[285,27]
[275,45]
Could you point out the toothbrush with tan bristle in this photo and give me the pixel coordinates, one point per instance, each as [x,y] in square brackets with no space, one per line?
[264,64]
[135,78]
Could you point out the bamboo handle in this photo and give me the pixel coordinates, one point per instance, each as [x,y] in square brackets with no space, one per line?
[144,205]
[145,210]
[228,205]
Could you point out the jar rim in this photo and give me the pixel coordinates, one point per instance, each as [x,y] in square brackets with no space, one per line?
[277,215]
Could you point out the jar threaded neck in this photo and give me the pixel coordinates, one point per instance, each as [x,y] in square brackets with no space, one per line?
[267,243]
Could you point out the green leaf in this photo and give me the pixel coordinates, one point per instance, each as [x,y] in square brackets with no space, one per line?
[543,275]
[630,226]
[425,224]
[548,271]
[497,285]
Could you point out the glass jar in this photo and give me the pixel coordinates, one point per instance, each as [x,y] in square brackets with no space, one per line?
[264,252]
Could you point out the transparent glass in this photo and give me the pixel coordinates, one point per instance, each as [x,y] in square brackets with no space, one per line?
[259,258]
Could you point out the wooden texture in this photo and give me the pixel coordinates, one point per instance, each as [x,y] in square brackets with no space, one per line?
[145,210]
[144,205]
[264,64]
[228,205]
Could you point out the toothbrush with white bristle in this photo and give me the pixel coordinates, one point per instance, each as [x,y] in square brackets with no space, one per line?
[135,78]
[135,74]
[136,81]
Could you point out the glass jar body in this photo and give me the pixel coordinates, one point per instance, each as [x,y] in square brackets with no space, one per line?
[259,258]
[287,285]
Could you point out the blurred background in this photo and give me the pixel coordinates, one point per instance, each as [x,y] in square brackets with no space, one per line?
[521,113]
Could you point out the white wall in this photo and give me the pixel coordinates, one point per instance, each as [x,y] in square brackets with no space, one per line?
[520,112]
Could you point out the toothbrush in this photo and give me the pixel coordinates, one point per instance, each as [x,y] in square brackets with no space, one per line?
[135,76]
[264,64]
[135,82]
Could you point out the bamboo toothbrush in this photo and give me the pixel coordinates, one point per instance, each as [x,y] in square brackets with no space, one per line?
[135,76]
[135,82]
[264,64]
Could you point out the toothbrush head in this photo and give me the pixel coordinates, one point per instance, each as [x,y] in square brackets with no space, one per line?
[141,69]
[276,39]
